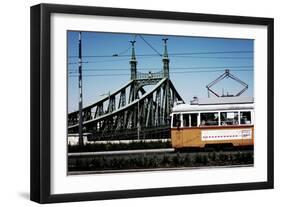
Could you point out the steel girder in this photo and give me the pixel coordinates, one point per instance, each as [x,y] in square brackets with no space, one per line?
[136,108]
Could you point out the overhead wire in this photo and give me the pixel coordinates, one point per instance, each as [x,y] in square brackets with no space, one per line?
[209,57]
[125,51]
[150,45]
[176,55]
[170,54]
[172,68]
[178,72]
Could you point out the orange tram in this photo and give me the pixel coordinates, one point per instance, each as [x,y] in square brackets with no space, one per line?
[222,121]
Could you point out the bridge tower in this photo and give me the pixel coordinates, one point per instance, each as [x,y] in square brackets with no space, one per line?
[133,62]
[165,59]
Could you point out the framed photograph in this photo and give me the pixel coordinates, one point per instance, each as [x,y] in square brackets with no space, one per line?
[132,103]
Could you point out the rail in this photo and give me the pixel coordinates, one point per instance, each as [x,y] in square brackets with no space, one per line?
[121,152]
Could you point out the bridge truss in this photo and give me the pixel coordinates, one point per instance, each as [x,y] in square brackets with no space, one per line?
[131,112]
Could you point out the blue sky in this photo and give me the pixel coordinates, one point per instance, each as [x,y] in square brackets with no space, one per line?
[190,73]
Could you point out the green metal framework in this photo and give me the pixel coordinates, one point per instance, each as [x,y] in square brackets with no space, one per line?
[132,112]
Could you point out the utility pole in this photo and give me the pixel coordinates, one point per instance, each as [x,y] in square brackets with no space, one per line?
[138,124]
[81,142]
[166,69]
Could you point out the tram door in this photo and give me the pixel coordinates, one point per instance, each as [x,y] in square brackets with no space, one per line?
[177,133]
[189,125]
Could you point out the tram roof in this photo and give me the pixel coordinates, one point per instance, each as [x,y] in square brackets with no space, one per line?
[222,100]
[216,104]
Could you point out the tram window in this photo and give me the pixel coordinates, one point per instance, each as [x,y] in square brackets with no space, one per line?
[193,120]
[189,120]
[185,118]
[176,120]
[208,119]
[245,117]
[229,118]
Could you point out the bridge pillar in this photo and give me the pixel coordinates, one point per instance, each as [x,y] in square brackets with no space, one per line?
[133,62]
[165,59]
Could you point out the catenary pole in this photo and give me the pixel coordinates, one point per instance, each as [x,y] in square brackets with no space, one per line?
[81,143]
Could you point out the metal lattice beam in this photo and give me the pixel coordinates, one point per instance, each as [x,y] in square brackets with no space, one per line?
[153,109]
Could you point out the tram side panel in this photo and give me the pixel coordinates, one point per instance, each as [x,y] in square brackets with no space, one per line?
[201,136]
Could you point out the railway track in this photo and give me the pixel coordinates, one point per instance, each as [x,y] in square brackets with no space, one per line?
[121,152]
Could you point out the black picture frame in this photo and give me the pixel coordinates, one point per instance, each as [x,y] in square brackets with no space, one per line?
[40,176]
